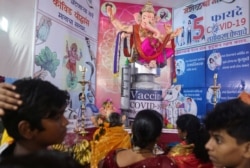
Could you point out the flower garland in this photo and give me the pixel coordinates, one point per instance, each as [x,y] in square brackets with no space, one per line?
[101,130]
[81,151]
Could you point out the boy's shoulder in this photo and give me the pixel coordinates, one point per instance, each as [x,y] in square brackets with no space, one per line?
[3,147]
[6,149]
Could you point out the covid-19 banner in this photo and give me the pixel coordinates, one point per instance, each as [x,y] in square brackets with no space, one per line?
[213,51]
[211,21]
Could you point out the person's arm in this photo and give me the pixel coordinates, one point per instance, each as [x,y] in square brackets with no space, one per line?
[121,27]
[8,98]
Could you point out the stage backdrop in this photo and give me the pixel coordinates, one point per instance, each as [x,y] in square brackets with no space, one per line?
[108,85]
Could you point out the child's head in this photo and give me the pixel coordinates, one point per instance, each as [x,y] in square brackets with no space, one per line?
[40,117]
[229,127]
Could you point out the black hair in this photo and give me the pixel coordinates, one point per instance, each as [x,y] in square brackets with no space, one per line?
[196,134]
[41,159]
[147,126]
[114,119]
[41,99]
[233,116]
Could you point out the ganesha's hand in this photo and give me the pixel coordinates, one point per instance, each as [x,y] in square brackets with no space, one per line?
[168,28]
[177,32]
[124,35]
[156,33]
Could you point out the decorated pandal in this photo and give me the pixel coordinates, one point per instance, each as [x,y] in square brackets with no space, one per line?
[90,145]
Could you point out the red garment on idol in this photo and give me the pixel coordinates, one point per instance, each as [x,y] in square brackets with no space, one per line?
[148,50]
[152,49]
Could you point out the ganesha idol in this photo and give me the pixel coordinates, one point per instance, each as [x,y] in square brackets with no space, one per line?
[151,46]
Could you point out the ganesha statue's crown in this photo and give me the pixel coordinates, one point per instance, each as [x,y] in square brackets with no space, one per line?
[148,7]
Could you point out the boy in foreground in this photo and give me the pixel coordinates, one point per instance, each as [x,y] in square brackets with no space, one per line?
[33,115]
[229,127]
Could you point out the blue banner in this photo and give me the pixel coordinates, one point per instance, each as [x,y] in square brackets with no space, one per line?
[190,69]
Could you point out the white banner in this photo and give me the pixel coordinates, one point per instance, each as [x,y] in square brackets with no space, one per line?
[211,21]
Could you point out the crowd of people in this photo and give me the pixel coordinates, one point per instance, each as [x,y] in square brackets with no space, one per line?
[32,113]
[146,128]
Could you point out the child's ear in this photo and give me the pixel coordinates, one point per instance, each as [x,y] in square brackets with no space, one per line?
[24,129]
[247,150]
